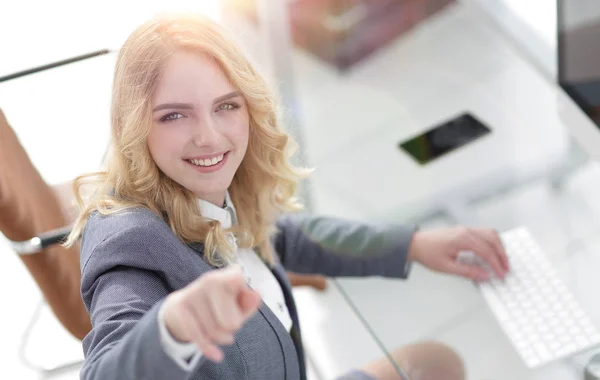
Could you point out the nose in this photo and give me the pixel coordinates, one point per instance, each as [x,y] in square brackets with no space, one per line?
[205,132]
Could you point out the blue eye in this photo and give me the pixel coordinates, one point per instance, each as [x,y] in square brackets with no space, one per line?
[172,116]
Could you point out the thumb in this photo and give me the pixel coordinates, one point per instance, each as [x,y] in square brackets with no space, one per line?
[248,301]
[234,278]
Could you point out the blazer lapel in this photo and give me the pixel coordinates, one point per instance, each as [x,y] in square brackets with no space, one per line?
[199,248]
[281,277]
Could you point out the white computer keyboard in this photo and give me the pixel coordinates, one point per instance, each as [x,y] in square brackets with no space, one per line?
[534,308]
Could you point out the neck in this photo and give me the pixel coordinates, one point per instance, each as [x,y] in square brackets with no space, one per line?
[217,199]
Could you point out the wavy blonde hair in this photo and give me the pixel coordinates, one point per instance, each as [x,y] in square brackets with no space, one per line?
[265,182]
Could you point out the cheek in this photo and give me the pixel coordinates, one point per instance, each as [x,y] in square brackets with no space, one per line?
[241,133]
[155,145]
[163,145]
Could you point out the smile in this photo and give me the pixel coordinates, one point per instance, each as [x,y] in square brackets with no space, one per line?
[207,162]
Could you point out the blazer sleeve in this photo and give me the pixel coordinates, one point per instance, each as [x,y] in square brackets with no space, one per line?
[335,247]
[123,289]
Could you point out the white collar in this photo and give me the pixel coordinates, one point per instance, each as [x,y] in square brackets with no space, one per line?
[225,215]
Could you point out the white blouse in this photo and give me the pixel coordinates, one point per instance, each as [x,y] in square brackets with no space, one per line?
[258,276]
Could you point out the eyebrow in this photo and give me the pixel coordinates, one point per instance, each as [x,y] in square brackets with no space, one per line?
[187,106]
[226,97]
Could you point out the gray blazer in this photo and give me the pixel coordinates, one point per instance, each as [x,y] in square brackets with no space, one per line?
[131,261]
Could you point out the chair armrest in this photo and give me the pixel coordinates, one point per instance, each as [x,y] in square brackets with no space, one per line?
[38,243]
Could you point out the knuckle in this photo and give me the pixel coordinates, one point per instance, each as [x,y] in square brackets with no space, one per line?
[188,309]
[218,335]
[210,280]
[223,333]
[185,302]
[232,325]
[180,305]
[197,336]
[200,344]
[494,235]
[203,343]
[209,325]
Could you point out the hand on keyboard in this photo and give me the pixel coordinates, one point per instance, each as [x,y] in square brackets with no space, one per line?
[536,310]
[439,250]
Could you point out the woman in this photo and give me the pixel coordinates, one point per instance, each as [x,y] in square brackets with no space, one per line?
[183,244]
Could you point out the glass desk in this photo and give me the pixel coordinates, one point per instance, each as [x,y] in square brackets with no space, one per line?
[529,171]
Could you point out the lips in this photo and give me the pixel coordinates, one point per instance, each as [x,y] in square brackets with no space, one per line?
[209,163]
[206,162]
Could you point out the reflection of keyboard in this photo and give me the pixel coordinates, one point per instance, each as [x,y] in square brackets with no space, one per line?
[538,313]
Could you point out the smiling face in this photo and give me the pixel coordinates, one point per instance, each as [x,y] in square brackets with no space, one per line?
[200,126]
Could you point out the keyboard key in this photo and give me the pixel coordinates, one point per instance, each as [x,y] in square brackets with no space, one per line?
[563,314]
[558,307]
[532,361]
[560,330]
[564,339]
[572,305]
[528,329]
[582,341]
[554,345]
[542,351]
[499,309]
[554,322]
[575,329]
[521,343]
[565,350]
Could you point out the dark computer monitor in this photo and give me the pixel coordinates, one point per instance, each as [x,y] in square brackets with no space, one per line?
[579,53]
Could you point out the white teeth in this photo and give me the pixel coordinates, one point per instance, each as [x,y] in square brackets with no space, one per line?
[207,161]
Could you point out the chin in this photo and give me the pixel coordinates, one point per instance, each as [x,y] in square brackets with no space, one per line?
[206,185]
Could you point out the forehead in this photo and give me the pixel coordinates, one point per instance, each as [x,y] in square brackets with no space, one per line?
[189,76]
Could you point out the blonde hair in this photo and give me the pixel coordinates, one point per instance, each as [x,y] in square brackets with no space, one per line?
[265,182]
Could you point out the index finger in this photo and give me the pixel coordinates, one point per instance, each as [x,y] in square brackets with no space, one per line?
[494,238]
[482,248]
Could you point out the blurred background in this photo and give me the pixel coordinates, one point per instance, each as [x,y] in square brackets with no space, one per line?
[361,82]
